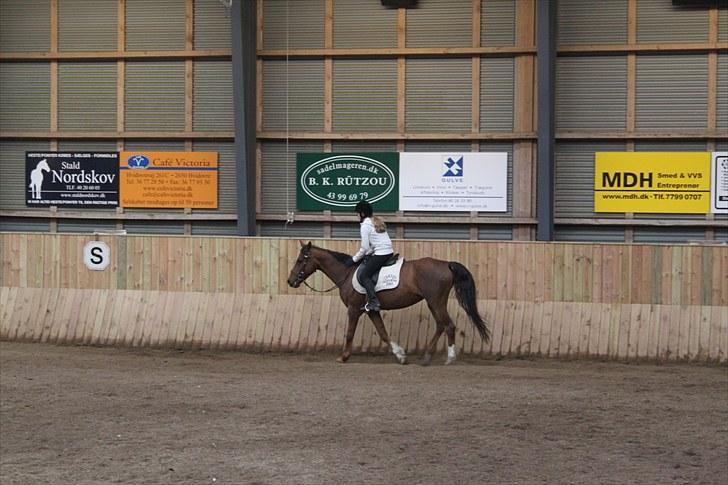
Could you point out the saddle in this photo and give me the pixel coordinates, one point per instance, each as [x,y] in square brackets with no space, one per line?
[385,279]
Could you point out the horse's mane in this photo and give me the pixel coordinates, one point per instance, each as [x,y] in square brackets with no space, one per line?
[340,257]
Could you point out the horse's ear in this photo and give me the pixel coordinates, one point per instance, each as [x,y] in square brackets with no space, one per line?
[308,246]
[300,241]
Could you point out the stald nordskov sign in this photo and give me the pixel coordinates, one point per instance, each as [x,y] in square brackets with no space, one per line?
[72,179]
[337,182]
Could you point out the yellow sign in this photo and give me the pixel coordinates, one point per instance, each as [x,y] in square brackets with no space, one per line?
[665,182]
[168,180]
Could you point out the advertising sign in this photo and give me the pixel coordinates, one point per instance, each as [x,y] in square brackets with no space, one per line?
[337,182]
[719,183]
[453,182]
[655,182]
[168,179]
[72,179]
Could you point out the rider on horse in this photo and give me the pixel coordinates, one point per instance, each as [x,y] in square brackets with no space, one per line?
[376,244]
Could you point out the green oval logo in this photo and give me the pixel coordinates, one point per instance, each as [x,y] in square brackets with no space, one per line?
[343,180]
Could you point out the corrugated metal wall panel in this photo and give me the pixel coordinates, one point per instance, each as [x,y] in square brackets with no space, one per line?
[227,192]
[25,96]
[661,21]
[212,106]
[86,146]
[87,26]
[211,26]
[15,224]
[436,231]
[438,95]
[436,146]
[722,24]
[311,230]
[363,146]
[495,233]
[304,20]
[278,174]
[360,24]
[155,96]
[300,100]
[496,94]
[722,92]
[672,92]
[12,171]
[574,177]
[591,93]
[85,226]
[592,22]
[215,228]
[154,227]
[668,235]
[155,26]
[25,26]
[440,23]
[365,95]
[351,231]
[498,22]
[589,234]
[87,96]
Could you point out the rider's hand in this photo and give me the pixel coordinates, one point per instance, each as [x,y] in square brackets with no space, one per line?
[349,262]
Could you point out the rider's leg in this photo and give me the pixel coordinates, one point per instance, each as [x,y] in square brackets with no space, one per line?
[373,264]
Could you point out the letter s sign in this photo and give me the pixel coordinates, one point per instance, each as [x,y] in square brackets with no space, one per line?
[96,255]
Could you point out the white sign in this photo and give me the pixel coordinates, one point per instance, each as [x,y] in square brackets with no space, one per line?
[453,182]
[96,255]
[719,183]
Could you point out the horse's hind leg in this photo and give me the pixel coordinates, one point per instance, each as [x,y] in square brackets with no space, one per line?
[398,351]
[444,324]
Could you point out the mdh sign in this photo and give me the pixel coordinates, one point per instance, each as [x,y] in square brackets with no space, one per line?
[72,179]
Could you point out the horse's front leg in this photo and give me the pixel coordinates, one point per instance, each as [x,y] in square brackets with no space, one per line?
[354,313]
[398,351]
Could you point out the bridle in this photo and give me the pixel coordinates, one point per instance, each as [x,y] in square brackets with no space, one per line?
[301,276]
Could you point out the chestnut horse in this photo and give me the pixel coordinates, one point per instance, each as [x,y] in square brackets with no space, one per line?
[427,278]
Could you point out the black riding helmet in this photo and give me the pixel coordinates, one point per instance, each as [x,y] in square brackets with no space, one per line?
[364,208]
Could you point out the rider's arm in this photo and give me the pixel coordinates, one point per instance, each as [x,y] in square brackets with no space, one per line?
[365,248]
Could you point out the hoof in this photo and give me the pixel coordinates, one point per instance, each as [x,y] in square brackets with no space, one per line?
[342,359]
[427,359]
[449,361]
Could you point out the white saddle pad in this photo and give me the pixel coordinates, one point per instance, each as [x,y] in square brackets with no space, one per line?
[388,278]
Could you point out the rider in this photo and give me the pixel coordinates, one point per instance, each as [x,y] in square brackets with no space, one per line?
[376,244]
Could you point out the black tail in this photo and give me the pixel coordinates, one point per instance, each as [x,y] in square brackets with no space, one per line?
[467,297]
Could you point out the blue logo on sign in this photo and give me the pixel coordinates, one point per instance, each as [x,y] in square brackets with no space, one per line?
[137,161]
[453,168]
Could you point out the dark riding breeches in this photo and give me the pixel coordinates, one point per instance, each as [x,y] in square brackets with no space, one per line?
[372,264]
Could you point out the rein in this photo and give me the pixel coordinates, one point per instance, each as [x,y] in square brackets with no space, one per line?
[321,291]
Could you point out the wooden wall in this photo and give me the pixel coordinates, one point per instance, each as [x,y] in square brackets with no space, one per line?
[549,299]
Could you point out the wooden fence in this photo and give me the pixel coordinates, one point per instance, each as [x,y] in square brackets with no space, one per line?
[618,301]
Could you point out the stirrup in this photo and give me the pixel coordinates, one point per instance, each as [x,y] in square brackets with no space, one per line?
[370,307]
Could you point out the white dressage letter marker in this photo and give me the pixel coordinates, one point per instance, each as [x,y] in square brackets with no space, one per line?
[96,255]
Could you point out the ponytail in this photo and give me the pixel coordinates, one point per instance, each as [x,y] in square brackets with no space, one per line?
[379,224]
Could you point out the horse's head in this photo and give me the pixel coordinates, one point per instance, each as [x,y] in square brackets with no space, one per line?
[43,165]
[303,267]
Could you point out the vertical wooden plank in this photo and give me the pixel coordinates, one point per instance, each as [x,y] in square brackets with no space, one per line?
[719,333]
[653,338]
[605,327]
[568,344]
[547,320]
[625,315]
[703,353]
[683,332]
[644,330]
[663,339]
[694,333]
[595,313]
[556,326]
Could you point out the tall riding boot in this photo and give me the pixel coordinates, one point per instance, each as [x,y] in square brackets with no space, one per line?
[372,304]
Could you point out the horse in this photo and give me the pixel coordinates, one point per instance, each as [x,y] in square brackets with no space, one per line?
[36,178]
[426,279]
